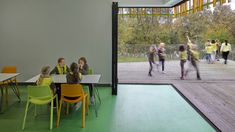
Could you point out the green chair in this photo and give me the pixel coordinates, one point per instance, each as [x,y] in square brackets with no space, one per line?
[90,71]
[40,95]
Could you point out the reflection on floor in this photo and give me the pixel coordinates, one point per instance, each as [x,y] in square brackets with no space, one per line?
[137,108]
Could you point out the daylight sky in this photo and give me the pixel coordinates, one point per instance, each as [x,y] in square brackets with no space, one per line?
[233,4]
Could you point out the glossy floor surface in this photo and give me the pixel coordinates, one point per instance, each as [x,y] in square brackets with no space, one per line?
[137,108]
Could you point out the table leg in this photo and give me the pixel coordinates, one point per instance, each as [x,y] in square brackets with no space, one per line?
[14,89]
[93,99]
[97,94]
[1,101]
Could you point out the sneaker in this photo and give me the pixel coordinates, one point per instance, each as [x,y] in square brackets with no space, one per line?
[158,67]
[77,106]
[92,100]
[163,72]
[150,74]
[182,78]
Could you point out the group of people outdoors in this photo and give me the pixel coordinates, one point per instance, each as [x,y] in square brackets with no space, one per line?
[73,75]
[214,49]
[189,56]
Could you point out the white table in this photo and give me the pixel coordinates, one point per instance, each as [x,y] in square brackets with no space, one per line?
[5,77]
[86,79]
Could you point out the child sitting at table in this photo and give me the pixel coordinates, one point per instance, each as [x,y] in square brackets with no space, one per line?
[83,66]
[45,79]
[74,77]
[61,67]
[84,70]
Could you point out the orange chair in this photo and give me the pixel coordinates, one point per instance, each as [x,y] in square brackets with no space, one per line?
[75,91]
[11,69]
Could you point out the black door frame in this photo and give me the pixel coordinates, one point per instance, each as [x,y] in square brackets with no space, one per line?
[114,47]
[115,9]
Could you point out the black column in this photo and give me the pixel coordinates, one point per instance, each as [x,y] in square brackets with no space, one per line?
[114,46]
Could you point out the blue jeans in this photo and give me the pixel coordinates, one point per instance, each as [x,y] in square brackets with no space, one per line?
[208,58]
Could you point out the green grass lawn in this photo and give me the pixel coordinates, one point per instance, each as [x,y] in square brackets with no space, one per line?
[132,59]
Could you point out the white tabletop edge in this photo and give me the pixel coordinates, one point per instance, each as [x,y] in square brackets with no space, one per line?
[35,78]
[7,76]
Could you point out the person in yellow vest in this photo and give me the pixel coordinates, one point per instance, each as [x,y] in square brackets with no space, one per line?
[61,68]
[225,49]
[209,51]
[207,43]
[214,48]
[45,79]
[183,58]
[194,58]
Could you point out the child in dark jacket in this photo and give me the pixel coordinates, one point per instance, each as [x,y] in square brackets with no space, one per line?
[83,66]
[84,70]
[151,55]
[74,77]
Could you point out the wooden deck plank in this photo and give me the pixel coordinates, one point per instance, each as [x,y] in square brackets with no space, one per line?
[213,95]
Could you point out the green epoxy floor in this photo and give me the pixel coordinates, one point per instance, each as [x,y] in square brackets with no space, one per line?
[137,108]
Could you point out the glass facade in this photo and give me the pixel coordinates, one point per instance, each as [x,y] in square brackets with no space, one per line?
[180,9]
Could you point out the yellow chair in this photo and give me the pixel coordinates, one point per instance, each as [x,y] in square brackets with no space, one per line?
[11,69]
[73,93]
[40,95]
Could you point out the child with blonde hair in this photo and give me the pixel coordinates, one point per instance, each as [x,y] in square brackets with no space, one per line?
[45,79]
[162,55]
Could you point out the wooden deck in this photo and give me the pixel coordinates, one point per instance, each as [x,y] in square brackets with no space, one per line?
[214,95]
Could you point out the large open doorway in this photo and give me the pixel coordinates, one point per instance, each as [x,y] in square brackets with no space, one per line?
[138,28]
[217,78]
